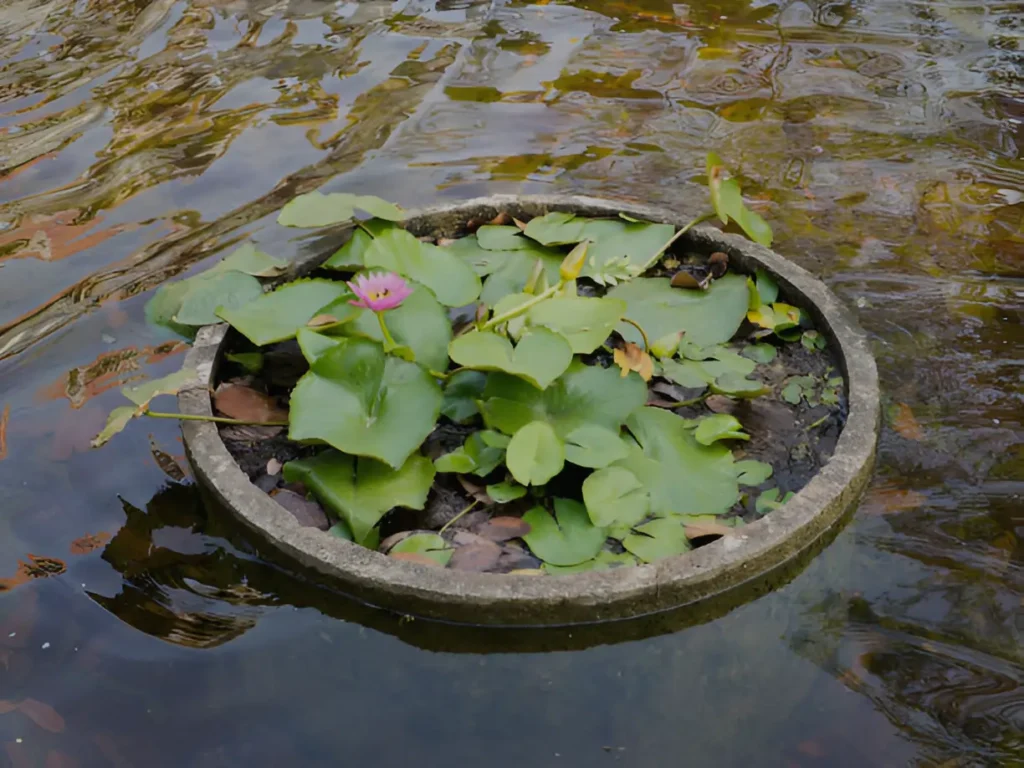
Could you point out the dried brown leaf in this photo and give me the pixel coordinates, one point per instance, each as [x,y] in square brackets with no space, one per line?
[41,714]
[6,705]
[89,543]
[476,491]
[720,404]
[478,557]
[306,512]
[504,528]
[631,358]
[502,219]
[906,424]
[246,404]
[718,264]
[520,224]
[166,462]
[685,279]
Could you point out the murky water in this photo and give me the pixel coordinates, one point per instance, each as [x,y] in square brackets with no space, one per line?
[882,140]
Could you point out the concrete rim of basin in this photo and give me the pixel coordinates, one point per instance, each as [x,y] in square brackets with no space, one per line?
[707,572]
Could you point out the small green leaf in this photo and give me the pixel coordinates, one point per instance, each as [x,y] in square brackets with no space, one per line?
[657,539]
[361,490]
[767,288]
[349,257]
[813,341]
[687,373]
[251,261]
[429,544]
[461,392]
[759,353]
[314,344]
[501,238]
[165,385]
[503,493]
[277,316]
[603,561]
[721,426]
[666,346]
[792,393]
[456,461]
[756,228]
[228,289]
[556,228]
[116,422]
[595,446]
[540,357]
[487,457]
[445,274]
[252,362]
[340,530]
[614,496]
[535,454]
[571,540]
[584,322]
[769,501]
[315,209]
[751,472]
[735,385]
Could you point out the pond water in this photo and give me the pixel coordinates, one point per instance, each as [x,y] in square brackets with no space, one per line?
[881,139]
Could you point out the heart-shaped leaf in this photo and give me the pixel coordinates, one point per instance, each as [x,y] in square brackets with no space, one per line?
[760,353]
[501,238]
[583,395]
[556,228]
[613,240]
[252,261]
[461,392]
[614,496]
[507,271]
[359,490]
[571,540]
[503,493]
[657,539]
[315,209]
[751,472]
[429,544]
[540,357]
[365,403]
[535,455]
[584,322]
[228,289]
[707,317]
[681,475]
[447,276]
[721,426]
[278,315]
[593,445]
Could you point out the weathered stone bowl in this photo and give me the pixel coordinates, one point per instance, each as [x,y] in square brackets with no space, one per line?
[719,569]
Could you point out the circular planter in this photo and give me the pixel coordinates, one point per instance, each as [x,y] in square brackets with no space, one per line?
[773,543]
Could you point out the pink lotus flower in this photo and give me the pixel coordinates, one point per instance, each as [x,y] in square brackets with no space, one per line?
[379,291]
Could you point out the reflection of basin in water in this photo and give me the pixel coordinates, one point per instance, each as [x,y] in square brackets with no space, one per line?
[710,571]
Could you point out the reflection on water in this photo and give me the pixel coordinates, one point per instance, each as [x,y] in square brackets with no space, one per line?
[137,139]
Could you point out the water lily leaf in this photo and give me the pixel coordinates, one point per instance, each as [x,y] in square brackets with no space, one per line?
[508,271]
[445,274]
[603,561]
[769,500]
[556,228]
[666,346]
[727,201]
[760,353]
[721,426]
[585,322]
[792,393]
[429,544]
[535,454]
[314,344]
[278,315]
[540,357]
[657,539]
[501,238]
[228,289]
[767,288]
[494,439]
[707,317]
[252,261]
[350,256]
[475,455]
[615,496]
[360,490]
[682,476]
[571,540]
[165,303]
[420,323]
[812,340]
[503,493]
[735,385]
[455,461]
[363,402]
[141,396]
[461,392]
[583,395]
[117,420]
[592,445]
[612,240]
[686,373]
[755,227]
[751,472]
[315,209]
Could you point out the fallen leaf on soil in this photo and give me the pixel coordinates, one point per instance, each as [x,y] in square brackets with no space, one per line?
[720,404]
[886,500]
[416,557]
[476,558]
[239,402]
[4,418]
[43,715]
[55,759]
[698,530]
[906,424]
[631,358]
[307,512]
[274,467]
[503,528]
[88,543]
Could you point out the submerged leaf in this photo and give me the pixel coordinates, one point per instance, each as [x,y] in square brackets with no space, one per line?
[571,540]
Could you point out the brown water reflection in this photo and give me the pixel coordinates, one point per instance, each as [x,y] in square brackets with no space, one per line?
[137,139]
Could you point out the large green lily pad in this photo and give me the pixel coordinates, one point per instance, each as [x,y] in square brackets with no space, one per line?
[584,322]
[571,540]
[540,357]
[448,277]
[315,209]
[278,315]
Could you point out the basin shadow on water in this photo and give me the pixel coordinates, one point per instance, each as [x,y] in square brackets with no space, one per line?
[139,139]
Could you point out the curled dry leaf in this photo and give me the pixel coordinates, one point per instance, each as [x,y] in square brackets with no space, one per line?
[631,358]
[166,462]
[246,404]
[686,279]
[501,220]
[906,424]
[416,557]
[41,714]
[718,264]
[504,528]
[88,543]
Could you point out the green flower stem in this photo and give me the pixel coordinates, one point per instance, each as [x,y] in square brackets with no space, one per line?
[686,228]
[522,308]
[447,525]
[218,419]
[643,333]
[389,343]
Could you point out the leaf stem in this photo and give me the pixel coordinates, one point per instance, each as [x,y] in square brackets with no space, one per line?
[686,228]
[389,343]
[217,419]
[818,423]
[447,525]
[515,312]
[643,333]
